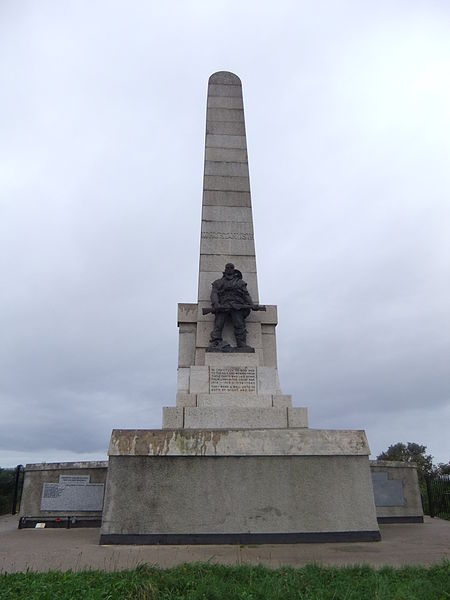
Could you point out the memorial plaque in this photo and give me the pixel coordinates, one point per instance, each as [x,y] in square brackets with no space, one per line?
[232,379]
[74,479]
[387,492]
[72,497]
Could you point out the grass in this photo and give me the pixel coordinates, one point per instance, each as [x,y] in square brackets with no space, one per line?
[216,582]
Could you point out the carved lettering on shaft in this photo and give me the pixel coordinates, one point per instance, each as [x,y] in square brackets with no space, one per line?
[214,235]
[232,379]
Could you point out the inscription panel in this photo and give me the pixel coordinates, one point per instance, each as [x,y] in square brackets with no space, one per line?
[76,497]
[387,492]
[230,235]
[232,379]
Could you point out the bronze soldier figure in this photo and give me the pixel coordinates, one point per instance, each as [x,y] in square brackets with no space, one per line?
[230,298]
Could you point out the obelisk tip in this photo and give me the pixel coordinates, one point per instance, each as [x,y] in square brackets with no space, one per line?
[224,78]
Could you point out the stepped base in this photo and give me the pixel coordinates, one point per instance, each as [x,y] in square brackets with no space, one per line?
[233,417]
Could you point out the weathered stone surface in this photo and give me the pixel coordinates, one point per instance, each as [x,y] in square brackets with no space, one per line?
[172,417]
[225,90]
[232,442]
[224,114]
[228,213]
[227,244]
[75,479]
[298,417]
[224,78]
[199,380]
[268,382]
[228,169]
[225,102]
[200,356]
[231,359]
[269,345]
[187,313]
[184,399]
[71,468]
[234,155]
[250,494]
[235,417]
[237,230]
[268,317]
[241,399]
[233,184]
[216,262]
[186,344]
[183,379]
[282,401]
[225,128]
[221,198]
[225,141]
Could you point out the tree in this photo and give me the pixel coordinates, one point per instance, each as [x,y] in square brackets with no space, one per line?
[442,469]
[410,452]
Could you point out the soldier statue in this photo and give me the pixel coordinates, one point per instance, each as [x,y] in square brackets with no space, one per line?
[230,298]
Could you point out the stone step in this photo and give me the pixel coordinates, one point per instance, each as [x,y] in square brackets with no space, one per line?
[231,417]
[244,400]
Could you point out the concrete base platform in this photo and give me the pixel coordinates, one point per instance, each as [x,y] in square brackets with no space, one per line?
[238,500]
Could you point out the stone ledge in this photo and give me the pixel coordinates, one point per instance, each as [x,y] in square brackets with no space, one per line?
[238,442]
[86,464]
[297,417]
[234,399]
[187,313]
[231,359]
[393,464]
[235,417]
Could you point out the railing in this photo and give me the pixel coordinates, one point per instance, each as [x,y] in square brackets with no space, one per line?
[437,496]
[18,484]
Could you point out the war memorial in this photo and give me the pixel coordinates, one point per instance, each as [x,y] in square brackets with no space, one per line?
[235,461]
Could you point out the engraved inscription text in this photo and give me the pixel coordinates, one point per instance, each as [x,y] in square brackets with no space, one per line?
[232,379]
[214,235]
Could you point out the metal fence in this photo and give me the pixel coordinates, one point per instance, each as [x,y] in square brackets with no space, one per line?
[436,497]
[18,485]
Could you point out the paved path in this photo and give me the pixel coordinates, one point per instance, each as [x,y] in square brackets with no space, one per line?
[78,549]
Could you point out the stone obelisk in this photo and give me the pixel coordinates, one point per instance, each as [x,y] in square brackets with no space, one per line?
[235,462]
[224,390]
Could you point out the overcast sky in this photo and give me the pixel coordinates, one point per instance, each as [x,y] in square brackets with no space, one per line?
[102,126]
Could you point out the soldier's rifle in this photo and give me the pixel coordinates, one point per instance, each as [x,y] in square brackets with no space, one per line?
[208,311]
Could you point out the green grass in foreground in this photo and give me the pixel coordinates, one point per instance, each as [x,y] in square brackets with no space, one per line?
[216,582]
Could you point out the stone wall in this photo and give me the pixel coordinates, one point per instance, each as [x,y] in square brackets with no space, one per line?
[396,492]
[36,475]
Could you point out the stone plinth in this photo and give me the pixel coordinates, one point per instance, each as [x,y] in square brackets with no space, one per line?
[229,416]
[256,442]
[259,486]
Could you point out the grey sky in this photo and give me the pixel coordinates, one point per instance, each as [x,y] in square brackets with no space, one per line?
[102,120]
